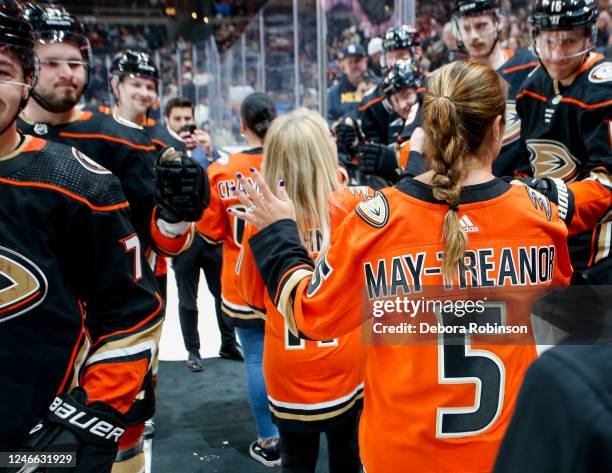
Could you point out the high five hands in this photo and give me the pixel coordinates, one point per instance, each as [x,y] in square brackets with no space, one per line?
[263,207]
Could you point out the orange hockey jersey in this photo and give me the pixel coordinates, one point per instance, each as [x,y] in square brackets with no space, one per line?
[440,406]
[312,385]
[218,226]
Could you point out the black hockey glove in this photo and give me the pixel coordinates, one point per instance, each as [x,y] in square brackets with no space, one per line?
[183,191]
[346,136]
[379,160]
[89,432]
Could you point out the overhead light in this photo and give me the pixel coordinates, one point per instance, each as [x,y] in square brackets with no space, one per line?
[205,19]
[170,11]
[194,15]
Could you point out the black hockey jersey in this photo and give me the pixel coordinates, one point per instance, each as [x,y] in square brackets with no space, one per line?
[563,418]
[127,151]
[117,145]
[162,137]
[514,71]
[78,306]
[566,133]
[375,114]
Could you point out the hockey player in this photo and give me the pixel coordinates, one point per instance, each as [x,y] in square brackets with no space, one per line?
[451,401]
[80,317]
[160,214]
[375,112]
[566,111]
[313,387]
[402,86]
[134,80]
[478,25]
[65,55]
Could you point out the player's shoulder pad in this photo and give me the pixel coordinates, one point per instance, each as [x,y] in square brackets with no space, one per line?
[67,168]
[374,210]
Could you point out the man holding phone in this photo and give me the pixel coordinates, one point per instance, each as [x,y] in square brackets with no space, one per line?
[180,123]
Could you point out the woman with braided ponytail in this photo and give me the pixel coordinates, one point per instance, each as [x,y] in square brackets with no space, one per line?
[452,238]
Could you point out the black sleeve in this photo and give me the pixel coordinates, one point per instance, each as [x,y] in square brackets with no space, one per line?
[557,424]
[278,250]
[123,311]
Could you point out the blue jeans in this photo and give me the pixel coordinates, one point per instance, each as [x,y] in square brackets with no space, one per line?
[252,341]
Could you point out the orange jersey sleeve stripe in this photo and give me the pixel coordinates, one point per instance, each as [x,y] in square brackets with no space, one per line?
[159,142]
[531,94]
[586,105]
[370,103]
[75,350]
[106,208]
[521,67]
[138,325]
[66,134]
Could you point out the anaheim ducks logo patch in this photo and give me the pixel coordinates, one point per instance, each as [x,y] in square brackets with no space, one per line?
[89,163]
[552,159]
[601,73]
[374,210]
[23,285]
[513,123]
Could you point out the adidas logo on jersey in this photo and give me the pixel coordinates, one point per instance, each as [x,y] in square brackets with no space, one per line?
[467,225]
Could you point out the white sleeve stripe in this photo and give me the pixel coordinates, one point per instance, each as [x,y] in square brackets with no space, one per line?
[125,352]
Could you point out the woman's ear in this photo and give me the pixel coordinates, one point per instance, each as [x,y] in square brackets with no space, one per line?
[242,127]
[499,127]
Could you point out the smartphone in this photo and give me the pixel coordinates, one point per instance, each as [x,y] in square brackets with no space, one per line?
[188,128]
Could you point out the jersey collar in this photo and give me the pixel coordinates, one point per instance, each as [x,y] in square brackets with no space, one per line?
[469,194]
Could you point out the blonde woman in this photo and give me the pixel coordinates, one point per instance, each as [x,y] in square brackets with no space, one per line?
[313,386]
[456,231]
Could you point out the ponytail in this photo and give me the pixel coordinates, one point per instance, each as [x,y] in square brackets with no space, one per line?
[461,103]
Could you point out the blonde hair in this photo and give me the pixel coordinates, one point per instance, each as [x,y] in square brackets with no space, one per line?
[298,149]
[462,101]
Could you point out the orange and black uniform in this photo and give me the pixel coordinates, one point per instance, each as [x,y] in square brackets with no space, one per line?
[313,386]
[566,134]
[127,151]
[420,411]
[218,226]
[79,305]
[310,384]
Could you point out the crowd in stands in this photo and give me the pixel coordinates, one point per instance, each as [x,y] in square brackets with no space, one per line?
[182,75]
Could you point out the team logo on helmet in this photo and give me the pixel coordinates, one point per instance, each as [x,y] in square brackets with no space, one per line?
[552,159]
[89,163]
[513,123]
[374,210]
[23,285]
[601,73]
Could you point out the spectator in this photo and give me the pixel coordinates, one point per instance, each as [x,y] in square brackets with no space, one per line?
[201,256]
[343,97]
[375,50]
